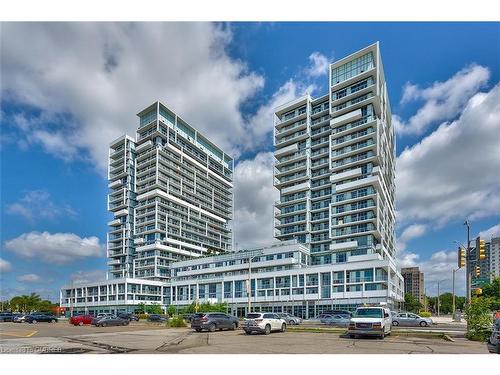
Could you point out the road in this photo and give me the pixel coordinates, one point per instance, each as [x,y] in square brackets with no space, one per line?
[140,338]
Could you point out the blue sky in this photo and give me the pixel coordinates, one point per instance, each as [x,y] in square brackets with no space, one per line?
[61,108]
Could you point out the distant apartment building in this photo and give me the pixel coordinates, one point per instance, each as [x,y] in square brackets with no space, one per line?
[494,255]
[414,282]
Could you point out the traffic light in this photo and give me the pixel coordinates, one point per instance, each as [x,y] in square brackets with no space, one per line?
[461,257]
[480,247]
[478,271]
[479,291]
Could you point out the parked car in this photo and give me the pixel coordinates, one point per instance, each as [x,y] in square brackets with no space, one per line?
[107,321]
[494,340]
[102,315]
[264,323]
[370,321]
[213,321]
[80,320]
[189,317]
[290,319]
[129,316]
[336,320]
[6,317]
[19,318]
[338,312]
[156,318]
[41,317]
[409,320]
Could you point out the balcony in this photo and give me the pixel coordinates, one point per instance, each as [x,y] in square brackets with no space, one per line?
[115,184]
[144,146]
[303,134]
[286,150]
[114,223]
[299,187]
[346,118]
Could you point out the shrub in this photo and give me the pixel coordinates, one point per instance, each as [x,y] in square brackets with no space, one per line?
[142,316]
[176,321]
[425,314]
[478,317]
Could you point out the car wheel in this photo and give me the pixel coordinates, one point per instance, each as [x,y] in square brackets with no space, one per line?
[247,332]
[211,328]
[291,322]
[381,337]
[233,327]
[34,321]
[395,323]
[53,321]
[352,336]
[267,330]
[423,324]
[80,324]
[283,327]
[198,330]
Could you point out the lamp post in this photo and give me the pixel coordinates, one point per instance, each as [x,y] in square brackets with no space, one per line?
[453,292]
[467,262]
[438,297]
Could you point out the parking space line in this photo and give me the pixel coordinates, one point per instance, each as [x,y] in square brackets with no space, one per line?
[17,334]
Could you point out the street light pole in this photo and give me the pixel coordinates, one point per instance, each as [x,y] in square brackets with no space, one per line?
[438,299]
[249,290]
[454,305]
[467,262]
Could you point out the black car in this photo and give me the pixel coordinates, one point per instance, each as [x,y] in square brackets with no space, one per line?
[41,317]
[156,318]
[6,317]
[129,316]
[494,340]
[213,321]
[109,320]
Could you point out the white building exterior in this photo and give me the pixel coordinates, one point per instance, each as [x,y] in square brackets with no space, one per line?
[494,257]
[335,165]
[170,194]
[172,201]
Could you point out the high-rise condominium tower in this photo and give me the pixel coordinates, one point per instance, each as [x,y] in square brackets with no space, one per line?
[171,196]
[335,164]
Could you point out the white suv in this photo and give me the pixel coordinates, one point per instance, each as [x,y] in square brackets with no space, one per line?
[263,322]
[370,321]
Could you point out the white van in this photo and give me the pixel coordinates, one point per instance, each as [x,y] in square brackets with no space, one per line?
[370,321]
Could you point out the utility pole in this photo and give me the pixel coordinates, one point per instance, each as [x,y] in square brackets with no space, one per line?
[438,299]
[454,305]
[249,290]
[467,262]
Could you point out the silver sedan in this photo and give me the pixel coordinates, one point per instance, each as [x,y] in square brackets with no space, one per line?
[409,320]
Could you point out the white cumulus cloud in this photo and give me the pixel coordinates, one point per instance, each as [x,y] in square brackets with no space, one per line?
[442,100]
[452,173]
[319,65]
[254,198]
[29,278]
[57,248]
[487,234]
[82,277]
[410,232]
[37,204]
[86,81]
[5,265]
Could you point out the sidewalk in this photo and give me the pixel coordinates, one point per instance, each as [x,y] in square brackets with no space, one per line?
[446,319]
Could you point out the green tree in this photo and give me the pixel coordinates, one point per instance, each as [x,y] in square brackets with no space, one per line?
[154,309]
[478,317]
[171,310]
[411,303]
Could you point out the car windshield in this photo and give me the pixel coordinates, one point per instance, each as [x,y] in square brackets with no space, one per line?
[368,313]
[253,316]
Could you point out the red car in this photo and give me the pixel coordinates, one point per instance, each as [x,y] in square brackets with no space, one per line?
[80,320]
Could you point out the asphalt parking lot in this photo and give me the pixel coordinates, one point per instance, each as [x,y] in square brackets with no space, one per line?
[149,338]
